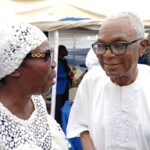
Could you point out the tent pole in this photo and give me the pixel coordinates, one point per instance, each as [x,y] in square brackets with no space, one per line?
[53,100]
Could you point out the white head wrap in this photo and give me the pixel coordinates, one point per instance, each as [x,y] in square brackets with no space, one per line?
[17,39]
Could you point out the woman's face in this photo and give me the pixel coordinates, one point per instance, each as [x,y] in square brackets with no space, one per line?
[38,72]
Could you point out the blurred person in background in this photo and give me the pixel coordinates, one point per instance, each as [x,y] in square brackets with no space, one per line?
[91,59]
[64,80]
[146,54]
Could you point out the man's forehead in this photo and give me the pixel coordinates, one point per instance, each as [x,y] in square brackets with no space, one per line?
[115,33]
[116,29]
[117,23]
[116,19]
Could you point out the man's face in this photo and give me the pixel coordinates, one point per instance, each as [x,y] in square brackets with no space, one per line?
[118,30]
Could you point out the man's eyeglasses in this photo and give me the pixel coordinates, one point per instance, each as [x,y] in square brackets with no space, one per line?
[117,48]
[45,55]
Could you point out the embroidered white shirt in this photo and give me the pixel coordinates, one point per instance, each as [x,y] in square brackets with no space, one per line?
[117,118]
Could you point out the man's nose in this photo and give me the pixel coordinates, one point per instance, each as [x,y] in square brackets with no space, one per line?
[108,51]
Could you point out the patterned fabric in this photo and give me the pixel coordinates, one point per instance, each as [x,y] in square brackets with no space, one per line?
[16,40]
[118,118]
[39,132]
[121,117]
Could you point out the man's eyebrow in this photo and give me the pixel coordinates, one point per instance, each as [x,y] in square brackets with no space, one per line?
[113,41]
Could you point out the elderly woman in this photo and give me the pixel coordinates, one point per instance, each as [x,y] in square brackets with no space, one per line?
[26,71]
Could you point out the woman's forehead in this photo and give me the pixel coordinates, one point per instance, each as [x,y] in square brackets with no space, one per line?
[43,47]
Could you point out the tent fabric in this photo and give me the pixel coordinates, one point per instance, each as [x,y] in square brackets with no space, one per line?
[52,10]
[56,25]
[47,14]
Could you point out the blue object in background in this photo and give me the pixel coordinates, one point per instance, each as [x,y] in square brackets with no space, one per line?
[75,142]
[141,60]
[74,19]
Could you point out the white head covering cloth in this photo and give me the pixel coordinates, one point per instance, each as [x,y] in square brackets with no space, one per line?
[17,39]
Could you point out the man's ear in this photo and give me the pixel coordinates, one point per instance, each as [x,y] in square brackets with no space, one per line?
[16,73]
[144,44]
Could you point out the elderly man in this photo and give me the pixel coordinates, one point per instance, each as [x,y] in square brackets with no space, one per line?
[111,110]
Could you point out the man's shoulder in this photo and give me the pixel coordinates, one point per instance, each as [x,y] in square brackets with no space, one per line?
[144,68]
[95,72]
[95,76]
[144,71]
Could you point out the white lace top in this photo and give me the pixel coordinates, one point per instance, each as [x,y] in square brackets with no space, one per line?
[39,132]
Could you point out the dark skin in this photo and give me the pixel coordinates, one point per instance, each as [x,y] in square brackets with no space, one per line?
[121,69]
[87,143]
[34,76]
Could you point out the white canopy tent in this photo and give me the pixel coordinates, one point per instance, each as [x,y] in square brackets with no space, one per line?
[85,14]
[46,14]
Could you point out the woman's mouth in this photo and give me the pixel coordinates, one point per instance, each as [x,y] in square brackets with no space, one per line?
[52,81]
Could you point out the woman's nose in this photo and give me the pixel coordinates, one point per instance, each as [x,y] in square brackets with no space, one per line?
[53,64]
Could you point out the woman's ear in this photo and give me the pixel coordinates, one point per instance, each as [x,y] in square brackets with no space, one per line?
[16,73]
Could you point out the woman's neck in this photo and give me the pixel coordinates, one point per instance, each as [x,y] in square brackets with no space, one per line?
[17,103]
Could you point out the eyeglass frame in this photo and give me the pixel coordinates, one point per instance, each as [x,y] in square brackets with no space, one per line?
[46,55]
[106,46]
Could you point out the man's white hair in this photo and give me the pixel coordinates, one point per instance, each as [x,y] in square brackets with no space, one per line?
[135,22]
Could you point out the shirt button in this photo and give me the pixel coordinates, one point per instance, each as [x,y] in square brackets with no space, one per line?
[127,106]
[127,140]
[117,138]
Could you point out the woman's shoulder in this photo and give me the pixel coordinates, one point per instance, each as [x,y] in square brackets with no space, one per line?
[39,101]
[59,140]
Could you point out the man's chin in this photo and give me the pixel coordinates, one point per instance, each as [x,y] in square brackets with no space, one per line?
[113,74]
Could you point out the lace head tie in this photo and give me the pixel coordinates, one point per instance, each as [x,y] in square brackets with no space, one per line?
[17,39]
